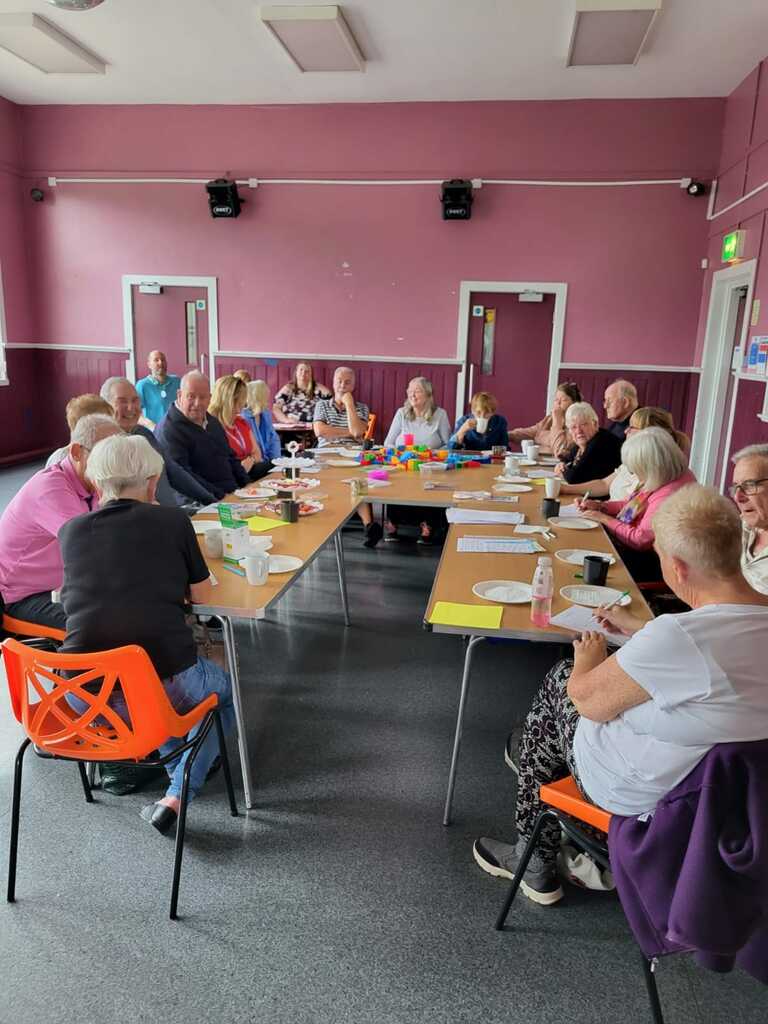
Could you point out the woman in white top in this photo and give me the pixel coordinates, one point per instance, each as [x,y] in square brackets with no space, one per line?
[421,417]
[750,492]
[618,486]
[630,727]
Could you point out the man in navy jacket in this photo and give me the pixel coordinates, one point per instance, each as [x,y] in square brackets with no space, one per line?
[196,440]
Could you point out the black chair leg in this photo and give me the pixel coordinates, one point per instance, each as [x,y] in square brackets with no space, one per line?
[653,992]
[225,763]
[521,867]
[181,823]
[93,767]
[15,812]
[85,782]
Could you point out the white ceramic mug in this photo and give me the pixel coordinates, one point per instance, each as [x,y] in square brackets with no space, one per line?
[213,542]
[552,487]
[481,424]
[256,568]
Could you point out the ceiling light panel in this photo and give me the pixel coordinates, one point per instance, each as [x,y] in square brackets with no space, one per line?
[607,32]
[315,38]
[36,41]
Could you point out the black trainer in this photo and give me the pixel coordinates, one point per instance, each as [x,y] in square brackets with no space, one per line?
[373,534]
[539,883]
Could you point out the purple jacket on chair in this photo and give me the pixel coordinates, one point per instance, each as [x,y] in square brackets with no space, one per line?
[693,876]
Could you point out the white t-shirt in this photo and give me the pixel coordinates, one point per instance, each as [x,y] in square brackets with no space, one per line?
[622,485]
[705,672]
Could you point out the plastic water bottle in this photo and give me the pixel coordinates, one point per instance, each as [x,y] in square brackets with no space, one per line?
[543,587]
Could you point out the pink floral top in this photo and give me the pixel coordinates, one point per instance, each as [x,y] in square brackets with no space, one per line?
[632,525]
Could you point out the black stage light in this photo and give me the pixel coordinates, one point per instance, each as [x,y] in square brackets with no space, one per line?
[223,199]
[457,199]
[696,188]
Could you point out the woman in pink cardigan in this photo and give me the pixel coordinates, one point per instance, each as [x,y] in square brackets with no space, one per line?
[550,433]
[661,468]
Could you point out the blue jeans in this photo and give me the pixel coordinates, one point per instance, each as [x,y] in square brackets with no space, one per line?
[185,691]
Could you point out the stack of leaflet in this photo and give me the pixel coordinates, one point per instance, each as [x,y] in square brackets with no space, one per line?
[467,515]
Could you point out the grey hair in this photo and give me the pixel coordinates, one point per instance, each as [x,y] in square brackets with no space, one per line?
[93,428]
[626,389]
[408,410]
[109,385]
[752,451]
[580,411]
[654,457]
[346,369]
[701,528]
[117,464]
[192,375]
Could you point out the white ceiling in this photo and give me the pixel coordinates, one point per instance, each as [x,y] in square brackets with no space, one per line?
[217,51]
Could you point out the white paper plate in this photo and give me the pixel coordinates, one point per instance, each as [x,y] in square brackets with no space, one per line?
[504,591]
[284,563]
[572,523]
[204,525]
[527,462]
[576,556]
[342,463]
[284,484]
[254,492]
[512,479]
[513,488]
[548,460]
[593,596]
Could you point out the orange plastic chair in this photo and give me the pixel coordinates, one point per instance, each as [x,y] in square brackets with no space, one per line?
[565,806]
[39,692]
[368,435]
[18,627]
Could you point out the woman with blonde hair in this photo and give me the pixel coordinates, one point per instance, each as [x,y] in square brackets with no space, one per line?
[243,375]
[421,417]
[295,402]
[550,434]
[227,403]
[482,428]
[619,485]
[257,416]
[661,470]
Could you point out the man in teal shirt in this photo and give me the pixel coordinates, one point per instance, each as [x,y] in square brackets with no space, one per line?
[157,391]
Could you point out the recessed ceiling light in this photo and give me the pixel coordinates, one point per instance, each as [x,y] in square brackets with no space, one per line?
[36,41]
[315,38]
[76,5]
[610,31]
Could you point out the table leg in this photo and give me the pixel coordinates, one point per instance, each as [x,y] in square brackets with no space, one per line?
[342,574]
[237,699]
[459,726]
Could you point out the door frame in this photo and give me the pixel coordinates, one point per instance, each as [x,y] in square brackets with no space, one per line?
[559,289]
[716,365]
[209,283]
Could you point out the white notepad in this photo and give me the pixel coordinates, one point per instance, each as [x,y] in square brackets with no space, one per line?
[581,620]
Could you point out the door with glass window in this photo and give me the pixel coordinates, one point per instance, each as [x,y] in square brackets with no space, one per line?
[175,320]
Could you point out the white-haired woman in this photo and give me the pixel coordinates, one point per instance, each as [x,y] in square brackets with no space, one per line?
[750,492]
[661,469]
[129,570]
[421,417]
[429,425]
[595,452]
[258,417]
[631,726]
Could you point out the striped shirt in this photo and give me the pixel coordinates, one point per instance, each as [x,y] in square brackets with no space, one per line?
[326,411]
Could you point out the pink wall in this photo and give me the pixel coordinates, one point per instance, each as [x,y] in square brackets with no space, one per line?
[743,166]
[630,256]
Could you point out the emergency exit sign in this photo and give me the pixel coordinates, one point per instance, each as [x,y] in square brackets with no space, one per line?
[733,246]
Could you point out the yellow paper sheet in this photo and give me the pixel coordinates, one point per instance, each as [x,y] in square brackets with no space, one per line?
[447,613]
[260,524]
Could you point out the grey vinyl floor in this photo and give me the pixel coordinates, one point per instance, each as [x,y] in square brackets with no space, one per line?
[340,897]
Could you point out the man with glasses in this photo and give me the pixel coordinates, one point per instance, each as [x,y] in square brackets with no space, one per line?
[750,492]
[30,559]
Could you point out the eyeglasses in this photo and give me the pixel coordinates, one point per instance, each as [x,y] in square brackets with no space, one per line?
[747,487]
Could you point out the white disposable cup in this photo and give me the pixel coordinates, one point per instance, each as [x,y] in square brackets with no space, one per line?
[511,465]
[525,445]
[481,424]
[552,487]
[256,568]
[213,541]
[533,452]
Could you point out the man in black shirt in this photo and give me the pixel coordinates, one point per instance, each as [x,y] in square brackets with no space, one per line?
[129,569]
[620,401]
[194,439]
